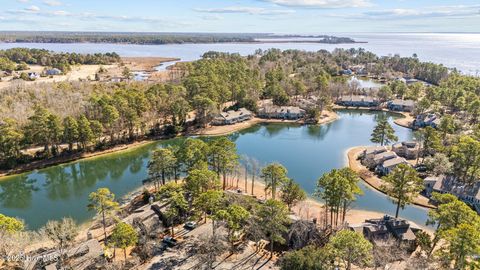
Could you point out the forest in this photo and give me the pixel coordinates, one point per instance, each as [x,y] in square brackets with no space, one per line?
[149,38]
[19,58]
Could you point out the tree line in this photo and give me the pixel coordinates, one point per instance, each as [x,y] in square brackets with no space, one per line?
[17,58]
[126,111]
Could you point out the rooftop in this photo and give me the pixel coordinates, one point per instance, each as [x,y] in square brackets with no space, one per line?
[375,149]
[393,162]
[401,102]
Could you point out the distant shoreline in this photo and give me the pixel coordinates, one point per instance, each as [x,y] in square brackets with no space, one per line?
[188,43]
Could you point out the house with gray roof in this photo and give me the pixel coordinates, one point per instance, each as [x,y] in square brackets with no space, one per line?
[389,165]
[357,101]
[401,105]
[232,117]
[426,120]
[369,153]
[469,194]
[281,112]
[379,230]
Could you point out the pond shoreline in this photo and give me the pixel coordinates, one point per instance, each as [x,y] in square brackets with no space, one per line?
[405,120]
[208,131]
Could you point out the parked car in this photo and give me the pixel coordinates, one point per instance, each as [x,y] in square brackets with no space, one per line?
[190,225]
[170,241]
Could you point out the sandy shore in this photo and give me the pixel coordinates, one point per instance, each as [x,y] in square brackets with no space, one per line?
[372,180]
[146,64]
[312,208]
[406,121]
[327,116]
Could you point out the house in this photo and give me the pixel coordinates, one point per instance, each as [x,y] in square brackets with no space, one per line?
[401,105]
[357,101]
[232,117]
[307,103]
[408,150]
[426,120]
[281,112]
[373,157]
[370,152]
[359,70]
[33,75]
[389,165]
[53,72]
[382,229]
[380,158]
[469,194]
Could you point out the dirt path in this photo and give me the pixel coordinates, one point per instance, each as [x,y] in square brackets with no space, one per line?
[372,180]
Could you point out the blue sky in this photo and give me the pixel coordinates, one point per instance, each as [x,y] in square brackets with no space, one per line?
[273,16]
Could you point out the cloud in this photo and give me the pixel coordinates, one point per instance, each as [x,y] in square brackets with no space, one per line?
[212,17]
[322,3]
[246,10]
[33,9]
[60,13]
[459,11]
[52,3]
[23,1]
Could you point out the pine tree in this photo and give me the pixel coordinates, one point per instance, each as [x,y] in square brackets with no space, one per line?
[383,133]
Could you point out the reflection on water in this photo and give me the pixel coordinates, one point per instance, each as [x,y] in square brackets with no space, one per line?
[306,151]
[17,194]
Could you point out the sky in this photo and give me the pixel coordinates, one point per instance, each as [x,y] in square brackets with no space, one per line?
[247,16]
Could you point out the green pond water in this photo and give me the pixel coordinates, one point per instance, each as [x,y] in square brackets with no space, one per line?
[306,151]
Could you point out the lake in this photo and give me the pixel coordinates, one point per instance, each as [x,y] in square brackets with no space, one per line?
[459,51]
[306,151]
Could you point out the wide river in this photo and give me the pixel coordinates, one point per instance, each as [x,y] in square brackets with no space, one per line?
[306,151]
[461,51]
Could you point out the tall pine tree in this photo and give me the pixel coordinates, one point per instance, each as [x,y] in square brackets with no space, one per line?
[383,133]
